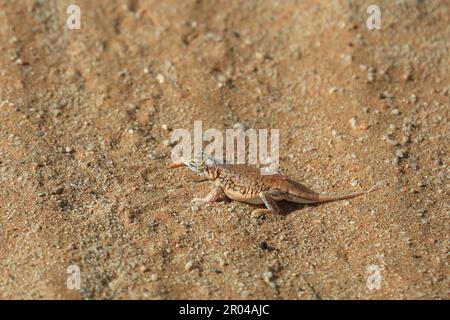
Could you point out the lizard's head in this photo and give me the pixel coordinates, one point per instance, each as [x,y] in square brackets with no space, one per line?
[204,169]
[198,167]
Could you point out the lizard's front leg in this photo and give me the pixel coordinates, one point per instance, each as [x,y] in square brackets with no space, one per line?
[271,204]
[215,194]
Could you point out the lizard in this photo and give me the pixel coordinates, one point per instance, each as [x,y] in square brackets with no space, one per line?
[246,184]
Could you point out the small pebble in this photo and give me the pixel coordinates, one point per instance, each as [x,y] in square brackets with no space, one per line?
[371,75]
[390,140]
[214,37]
[335,89]
[154,277]
[222,262]
[391,128]
[399,153]
[422,212]
[160,78]
[385,95]
[363,126]
[396,161]
[346,59]
[395,112]
[268,276]
[189,266]
[68,150]
[259,56]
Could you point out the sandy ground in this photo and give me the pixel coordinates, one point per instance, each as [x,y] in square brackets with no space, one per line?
[86,115]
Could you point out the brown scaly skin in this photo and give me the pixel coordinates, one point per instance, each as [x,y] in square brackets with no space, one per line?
[246,184]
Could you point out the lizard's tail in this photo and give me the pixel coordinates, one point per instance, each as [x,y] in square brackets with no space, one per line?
[329,197]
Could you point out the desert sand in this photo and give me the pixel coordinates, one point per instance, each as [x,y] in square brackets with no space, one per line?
[86,120]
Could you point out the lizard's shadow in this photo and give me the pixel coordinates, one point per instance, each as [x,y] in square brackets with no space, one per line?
[286,207]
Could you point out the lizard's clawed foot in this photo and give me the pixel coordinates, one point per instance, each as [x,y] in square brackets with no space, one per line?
[270,203]
[258,213]
[215,194]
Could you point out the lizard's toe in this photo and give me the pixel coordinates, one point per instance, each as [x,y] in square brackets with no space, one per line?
[256,214]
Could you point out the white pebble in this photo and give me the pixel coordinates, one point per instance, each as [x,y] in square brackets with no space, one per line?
[154,277]
[189,266]
[160,78]
[268,276]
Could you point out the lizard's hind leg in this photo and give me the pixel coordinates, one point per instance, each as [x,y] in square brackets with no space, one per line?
[271,204]
[215,194]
